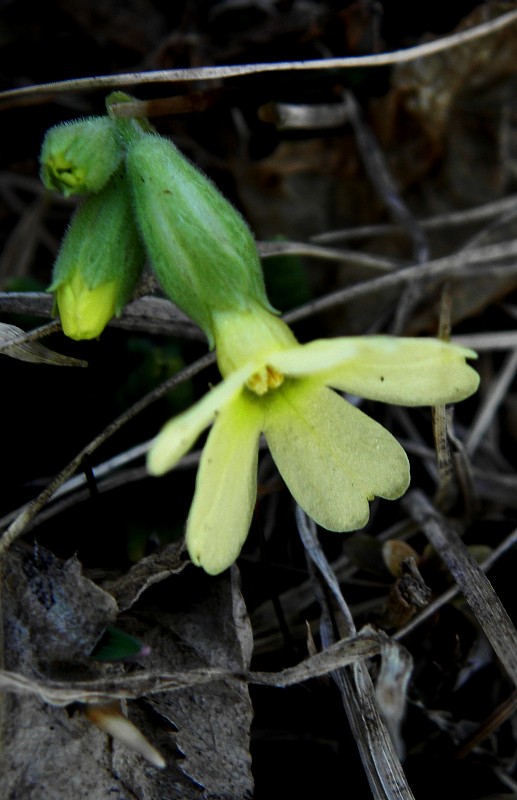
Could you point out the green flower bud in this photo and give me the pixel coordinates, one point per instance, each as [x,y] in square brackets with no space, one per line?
[80,157]
[84,311]
[99,264]
[201,249]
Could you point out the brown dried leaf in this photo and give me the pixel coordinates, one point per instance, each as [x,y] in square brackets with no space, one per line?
[430,86]
[52,613]
[154,568]
[213,720]
[48,755]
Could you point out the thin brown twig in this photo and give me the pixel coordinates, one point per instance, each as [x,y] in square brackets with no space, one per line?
[450,219]
[18,526]
[72,492]
[494,721]
[269,249]
[382,180]
[436,269]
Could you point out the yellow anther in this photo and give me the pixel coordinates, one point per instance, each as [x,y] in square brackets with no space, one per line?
[265,379]
[274,378]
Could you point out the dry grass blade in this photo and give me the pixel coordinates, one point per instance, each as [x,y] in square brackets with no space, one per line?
[503,712]
[488,340]
[447,483]
[376,747]
[268,249]
[218,73]
[12,337]
[366,644]
[494,398]
[76,490]
[380,760]
[149,570]
[61,693]
[391,689]
[307,531]
[471,579]
[142,313]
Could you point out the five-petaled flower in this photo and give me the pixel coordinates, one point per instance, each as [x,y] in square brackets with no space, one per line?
[333,458]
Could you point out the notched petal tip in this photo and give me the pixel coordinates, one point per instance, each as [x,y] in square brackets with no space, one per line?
[333,457]
[213,561]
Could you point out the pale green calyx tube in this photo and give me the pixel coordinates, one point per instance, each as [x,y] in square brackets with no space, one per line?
[200,247]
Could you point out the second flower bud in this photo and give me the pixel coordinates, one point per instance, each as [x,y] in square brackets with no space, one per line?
[99,263]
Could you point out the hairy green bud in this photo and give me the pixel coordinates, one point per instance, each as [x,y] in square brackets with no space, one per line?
[80,157]
[201,249]
[100,262]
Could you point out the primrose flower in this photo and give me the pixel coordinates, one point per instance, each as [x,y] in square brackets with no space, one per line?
[333,458]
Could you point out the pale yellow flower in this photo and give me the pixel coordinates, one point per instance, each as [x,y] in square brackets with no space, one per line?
[333,458]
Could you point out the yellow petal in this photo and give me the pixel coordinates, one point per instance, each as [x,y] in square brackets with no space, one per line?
[321,354]
[226,488]
[180,433]
[410,372]
[333,458]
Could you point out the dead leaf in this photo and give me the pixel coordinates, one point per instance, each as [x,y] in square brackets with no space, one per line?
[150,570]
[52,613]
[431,85]
[48,755]
[33,352]
[213,720]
